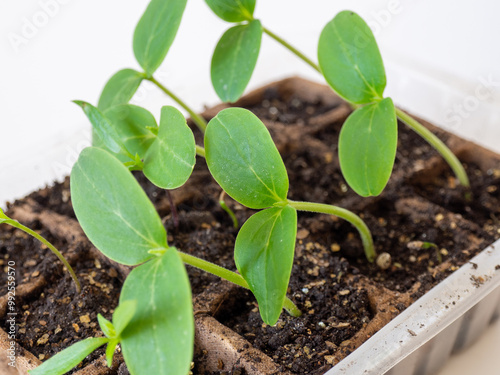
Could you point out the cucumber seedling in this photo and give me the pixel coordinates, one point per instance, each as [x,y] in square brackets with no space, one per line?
[245,162]
[4,219]
[350,61]
[119,219]
[153,37]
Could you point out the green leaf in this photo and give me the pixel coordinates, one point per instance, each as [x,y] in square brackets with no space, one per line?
[156,31]
[132,125]
[110,351]
[123,315]
[159,339]
[244,160]
[107,134]
[170,160]
[263,254]
[113,209]
[367,147]
[120,88]
[234,60]
[350,59]
[233,10]
[64,361]
[106,326]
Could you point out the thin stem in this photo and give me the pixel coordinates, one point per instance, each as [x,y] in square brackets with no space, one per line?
[197,119]
[347,215]
[50,246]
[232,277]
[292,49]
[226,208]
[200,151]
[435,142]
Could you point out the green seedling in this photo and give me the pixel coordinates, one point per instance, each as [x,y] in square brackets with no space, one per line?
[350,61]
[122,223]
[153,36]
[236,53]
[72,356]
[4,219]
[166,154]
[244,160]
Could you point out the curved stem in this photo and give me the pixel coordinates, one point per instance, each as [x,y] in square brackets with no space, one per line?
[197,119]
[292,49]
[435,142]
[200,151]
[232,277]
[226,208]
[347,215]
[50,246]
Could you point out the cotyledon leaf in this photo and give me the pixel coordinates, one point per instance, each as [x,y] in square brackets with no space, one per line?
[244,160]
[132,124]
[64,361]
[233,10]
[156,32]
[120,88]
[367,147]
[263,254]
[350,60]
[234,60]
[160,337]
[113,209]
[170,159]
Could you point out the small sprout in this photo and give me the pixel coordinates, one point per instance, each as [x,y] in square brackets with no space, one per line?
[384,261]
[4,219]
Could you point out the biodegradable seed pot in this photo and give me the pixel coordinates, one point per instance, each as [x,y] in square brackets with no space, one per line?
[272,235]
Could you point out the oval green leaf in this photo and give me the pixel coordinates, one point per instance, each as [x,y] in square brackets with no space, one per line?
[123,315]
[170,160]
[113,210]
[64,361]
[263,254]
[244,160]
[367,147]
[132,124]
[102,127]
[106,326]
[156,32]
[350,59]
[233,10]
[234,60]
[160,337]
[120,88]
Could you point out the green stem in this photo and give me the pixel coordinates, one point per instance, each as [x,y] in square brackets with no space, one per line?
[197,119]
[435,142]
[200,151]
[232,277]
[292,49]
[50,246]
[226,208]
[347,215]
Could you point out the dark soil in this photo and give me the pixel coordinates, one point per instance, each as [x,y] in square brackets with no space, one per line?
[52,320]
[418,206]
[28,256]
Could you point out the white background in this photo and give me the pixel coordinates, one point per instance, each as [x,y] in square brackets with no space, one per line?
[442,60]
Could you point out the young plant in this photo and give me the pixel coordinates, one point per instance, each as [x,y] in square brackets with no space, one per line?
[69,358]
[166,154]
[122,223]
[4,219]
[245,162]
[153,36]
[350,61]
